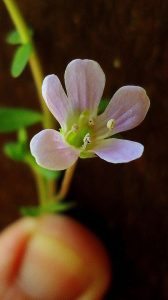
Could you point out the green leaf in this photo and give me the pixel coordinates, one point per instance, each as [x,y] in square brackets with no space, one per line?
[13,37]
[21,59]
[15,151]
[102,105]
[30,211]
[56,207]
[12,119]
[48,208]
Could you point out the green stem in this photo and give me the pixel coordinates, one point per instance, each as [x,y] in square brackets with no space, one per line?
[35,66]
[40,182]
[41,189]
[66,182]
[37,74]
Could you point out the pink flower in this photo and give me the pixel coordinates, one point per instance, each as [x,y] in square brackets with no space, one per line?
[83,132]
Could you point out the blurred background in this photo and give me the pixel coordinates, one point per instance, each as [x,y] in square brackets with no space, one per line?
[126,205]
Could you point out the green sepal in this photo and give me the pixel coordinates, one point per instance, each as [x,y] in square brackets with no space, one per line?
[86,154]
[45,209]
[13,119]
[102,105]
[14,38]
[21,58]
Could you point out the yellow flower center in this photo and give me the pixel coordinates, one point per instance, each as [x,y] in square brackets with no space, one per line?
[79,133]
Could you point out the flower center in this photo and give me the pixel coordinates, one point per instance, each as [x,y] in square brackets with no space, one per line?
[79,134]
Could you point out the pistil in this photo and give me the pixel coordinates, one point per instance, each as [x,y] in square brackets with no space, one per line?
[80,132]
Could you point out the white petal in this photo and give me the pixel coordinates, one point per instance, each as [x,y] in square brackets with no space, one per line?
[56,98]
[118,151]
[51,152]
[84,80]
[128,108]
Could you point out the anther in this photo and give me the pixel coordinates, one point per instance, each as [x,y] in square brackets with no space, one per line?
[86,140]
[110,124]
[91,122]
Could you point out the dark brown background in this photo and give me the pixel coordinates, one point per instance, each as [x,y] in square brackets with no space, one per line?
[125,204]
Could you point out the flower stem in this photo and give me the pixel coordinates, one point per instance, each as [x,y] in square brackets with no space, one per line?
[37,74]
[41,189]
[40,182]
[66,182]
[35,66]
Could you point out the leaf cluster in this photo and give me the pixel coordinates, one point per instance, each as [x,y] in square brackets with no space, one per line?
[22,53]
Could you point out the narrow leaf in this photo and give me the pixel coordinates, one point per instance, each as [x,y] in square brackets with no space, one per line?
[13,37]
[12,119]
[30,211]
[21,59]
[56,207]
[14,150]
[48,208]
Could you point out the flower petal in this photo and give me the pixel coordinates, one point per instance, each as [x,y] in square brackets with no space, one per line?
[118,151]
[84,80]
[128,107]
[56,98]
[51,152]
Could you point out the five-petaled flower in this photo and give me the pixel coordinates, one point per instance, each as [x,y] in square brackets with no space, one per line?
[83,132]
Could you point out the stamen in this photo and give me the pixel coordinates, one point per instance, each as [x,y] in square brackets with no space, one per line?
[83,117]
[110,124]
[73,130]
[91,122]
[86,140]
